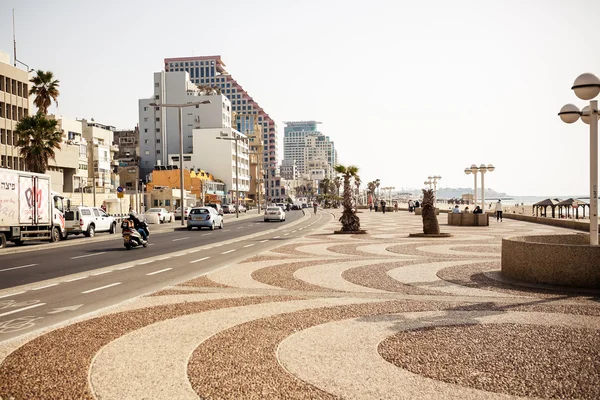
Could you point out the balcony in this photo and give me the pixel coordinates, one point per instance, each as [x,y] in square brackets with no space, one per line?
[114,147]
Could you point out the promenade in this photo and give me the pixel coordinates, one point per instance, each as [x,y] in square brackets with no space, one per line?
[375,316]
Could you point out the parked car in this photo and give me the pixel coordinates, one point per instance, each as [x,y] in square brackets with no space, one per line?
[204,216]
[304,205]
[229,209]
[280,205]
[274,213]
[217,207]
[186,211]
[88,221]
[296,206]
[158,216]
[242,208]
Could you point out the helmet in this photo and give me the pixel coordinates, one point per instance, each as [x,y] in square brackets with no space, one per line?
[132,214]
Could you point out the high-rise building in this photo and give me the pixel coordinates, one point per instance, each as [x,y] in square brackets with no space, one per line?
[210,71]
[14,105]
[302,142]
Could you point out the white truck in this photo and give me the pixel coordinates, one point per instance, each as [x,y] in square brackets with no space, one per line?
[29,210]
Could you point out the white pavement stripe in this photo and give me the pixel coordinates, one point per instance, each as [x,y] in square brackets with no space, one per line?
[22,309]
[158,272]
[193,251]
[286,234]
[47,286]
[241,227]
[178,255]
[228,251]
[226,230]
[101,273]
[125,267]
[204,234]
[262,241]
[183,238]
[249,245]
[276,237]
[22,266]
[100,288]
[77,279]
[12,294]
[163,258]
[150,244]
[88,255]
[200,259]
[146,262]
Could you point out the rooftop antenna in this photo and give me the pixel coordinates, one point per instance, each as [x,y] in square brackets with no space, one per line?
[14,40]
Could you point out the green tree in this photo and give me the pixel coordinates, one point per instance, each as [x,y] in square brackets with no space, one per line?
[349,219]
[45,89]
[38,137]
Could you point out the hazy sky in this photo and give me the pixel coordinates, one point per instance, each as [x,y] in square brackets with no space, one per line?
[406,89]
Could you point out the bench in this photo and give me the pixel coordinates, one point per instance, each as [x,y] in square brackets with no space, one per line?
[468,219]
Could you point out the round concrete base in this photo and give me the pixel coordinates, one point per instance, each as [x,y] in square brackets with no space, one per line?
[566,260]
[430,235]
[361,232]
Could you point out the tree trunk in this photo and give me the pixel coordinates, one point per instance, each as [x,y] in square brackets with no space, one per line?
[430,222]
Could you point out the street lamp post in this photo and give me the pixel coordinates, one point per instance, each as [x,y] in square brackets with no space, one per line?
[235,139]
[181,181]
[483,169]
[587,87]
[432,180]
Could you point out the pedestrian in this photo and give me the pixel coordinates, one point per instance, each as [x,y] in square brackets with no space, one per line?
[499,211]
[417,204]
[370,206]
[383,206]
[376,206]
[477,210]
[411,206]
[396,206]
[456,209]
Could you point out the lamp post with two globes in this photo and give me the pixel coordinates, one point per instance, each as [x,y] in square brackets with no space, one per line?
[587,87]
[432,180]
[473,169]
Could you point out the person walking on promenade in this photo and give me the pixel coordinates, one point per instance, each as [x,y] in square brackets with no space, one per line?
[370,206]
[411,206]
[383,206]
[396,206]
[376,206]
[417,204]
[499,211]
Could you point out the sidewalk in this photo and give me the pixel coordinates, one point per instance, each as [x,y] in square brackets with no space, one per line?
[375,316]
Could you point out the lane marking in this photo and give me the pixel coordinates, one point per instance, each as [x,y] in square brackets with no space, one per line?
[158,272]
[47,286]
[150,244]
[22,309]
[249,245]
[178,255]
[262,241]
[125,267]
[88,255]
[200,259]
[241,227]
[193,251]
[164,258]
[101,287]
[77,279]
[293,231]
[226,230]
[276,237]
[300,229]
[204,234]
[228,251]
[286,234]
[183,238]
[9,295]
[101,273]
[22,266]
[146,262]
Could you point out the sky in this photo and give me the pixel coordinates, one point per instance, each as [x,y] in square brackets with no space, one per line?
[405,89]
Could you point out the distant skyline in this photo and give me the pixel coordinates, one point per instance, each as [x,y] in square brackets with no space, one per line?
[405,89]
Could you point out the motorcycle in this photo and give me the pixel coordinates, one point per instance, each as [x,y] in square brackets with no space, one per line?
[131,237]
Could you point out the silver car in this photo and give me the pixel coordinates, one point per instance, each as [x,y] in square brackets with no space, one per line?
[204,216]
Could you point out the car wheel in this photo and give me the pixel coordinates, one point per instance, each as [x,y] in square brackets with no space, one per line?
[54,235]
[91,232]
[113,228]
[2,241]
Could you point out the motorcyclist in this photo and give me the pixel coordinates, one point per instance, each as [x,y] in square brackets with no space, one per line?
[315,206]
[138,225]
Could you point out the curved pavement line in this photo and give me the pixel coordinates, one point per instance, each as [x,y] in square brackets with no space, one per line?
[330,276]
[447,249]
[341,357]
[143,365]
[381,249]
[425,276]
[240,275]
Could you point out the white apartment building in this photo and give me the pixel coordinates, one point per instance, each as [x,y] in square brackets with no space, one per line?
[14,105]
[289,170]
[69,169]
[159,126]
[218,156]
[102,164]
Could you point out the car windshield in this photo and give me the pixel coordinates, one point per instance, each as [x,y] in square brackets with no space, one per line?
[273,209]
[154,210]
[200,211]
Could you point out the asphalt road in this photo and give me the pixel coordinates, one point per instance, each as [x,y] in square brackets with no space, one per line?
[81,279]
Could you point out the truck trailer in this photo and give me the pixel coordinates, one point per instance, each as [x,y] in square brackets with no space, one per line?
[29,209]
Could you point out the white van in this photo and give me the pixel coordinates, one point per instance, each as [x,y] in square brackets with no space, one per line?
[89,220]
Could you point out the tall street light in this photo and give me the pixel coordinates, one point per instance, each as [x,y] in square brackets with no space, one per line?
[181,181]
[473,169]
[587,87]
[236,138]
[432,180]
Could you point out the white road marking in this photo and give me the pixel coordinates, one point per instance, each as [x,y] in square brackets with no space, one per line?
[262,241]
[163,259]
[61,309]
[77,279]
[276,237]
[178,255]
[22,309]
[125,267]
[241,227]
[226,230]
[101,287]
[193,251]
[101,273]
[183,238]
[228,251]
[249,245]
[47,286]
[200,259]
[293,231]
[204,234]
[22,266]
[9,295]
[300,229]
[158,272]
[146,262]
[286,234]
[150,244]
[88,255]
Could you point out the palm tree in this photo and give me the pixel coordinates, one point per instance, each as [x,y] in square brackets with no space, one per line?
[38,137]
[377,183]
[45,89]
[349,219]
[430,222]
[357,184]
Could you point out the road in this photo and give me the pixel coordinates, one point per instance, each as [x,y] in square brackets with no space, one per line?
[47,287]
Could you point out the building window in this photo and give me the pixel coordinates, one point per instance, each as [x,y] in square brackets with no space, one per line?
[156,84]
[157,151]
[187,158]
[157,130]
[145,130]
[147,152]
[157,119]
[157,140]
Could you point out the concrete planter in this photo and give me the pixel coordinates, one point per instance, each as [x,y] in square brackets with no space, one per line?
[462,219]
[565,260]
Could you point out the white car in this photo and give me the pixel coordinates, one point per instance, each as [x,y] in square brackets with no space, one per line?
[88,220]
[186,211]
[274,213]
[158,216]
[204,217]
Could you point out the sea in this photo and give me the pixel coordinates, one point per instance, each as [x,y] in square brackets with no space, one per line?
[529,200]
